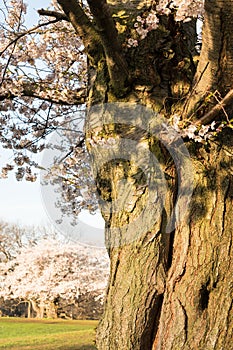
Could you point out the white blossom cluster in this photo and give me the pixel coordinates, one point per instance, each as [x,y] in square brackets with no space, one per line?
[182,10]
[30,61]
[102,141]
[36,57]
[50,269]
[16,12]
[13,237]
[197,133]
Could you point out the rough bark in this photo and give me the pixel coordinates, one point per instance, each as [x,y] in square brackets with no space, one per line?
[167,291]
[134,297]
[197,307]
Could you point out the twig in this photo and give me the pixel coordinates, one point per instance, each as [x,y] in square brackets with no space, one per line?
[80,144]
[193,90]
[219,99]
[11,54]
[208,117]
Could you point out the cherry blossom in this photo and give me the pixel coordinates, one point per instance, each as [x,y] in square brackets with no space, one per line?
[50,269]
[182,11]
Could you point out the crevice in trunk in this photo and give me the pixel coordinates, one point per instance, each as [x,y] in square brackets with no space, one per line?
[172,233]
[155,321]
[185,320]
[171,247]
[204,296]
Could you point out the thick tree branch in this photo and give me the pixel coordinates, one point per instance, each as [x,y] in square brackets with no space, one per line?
[82,26]
[58,15]
[209,117]
[76,97]
[217,50]
[116,63]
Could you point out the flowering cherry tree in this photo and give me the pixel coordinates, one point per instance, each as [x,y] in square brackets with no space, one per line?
[14,237]
[42,274]
[158,129]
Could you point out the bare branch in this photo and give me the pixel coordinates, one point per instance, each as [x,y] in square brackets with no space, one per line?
[208,117]
[58,15]
[116,62]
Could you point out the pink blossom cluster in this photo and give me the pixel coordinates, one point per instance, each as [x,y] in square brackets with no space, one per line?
[143,26]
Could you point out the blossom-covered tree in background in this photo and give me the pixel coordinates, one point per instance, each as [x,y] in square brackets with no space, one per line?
[15,237]
[169,288]
[49,271]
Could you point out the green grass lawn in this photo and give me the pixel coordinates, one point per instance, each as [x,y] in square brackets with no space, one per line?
[26,334]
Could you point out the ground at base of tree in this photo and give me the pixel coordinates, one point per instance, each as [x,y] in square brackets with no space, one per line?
[47,334]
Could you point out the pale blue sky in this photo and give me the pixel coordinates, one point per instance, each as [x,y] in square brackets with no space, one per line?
[21,202]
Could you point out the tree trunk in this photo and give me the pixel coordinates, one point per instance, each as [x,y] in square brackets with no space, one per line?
[29,314]
[38,310]
[172,290]
[135,226]
[51,309]
[197,308]
[170,286]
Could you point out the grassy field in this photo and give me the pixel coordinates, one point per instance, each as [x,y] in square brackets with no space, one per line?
[27,334]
